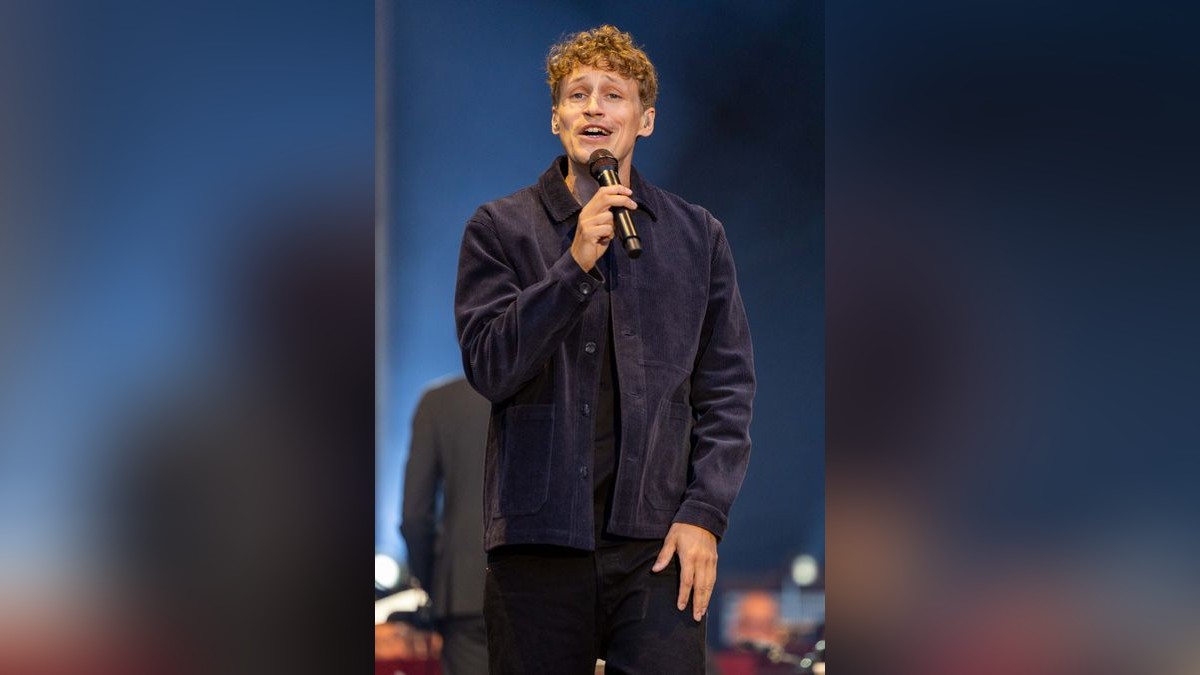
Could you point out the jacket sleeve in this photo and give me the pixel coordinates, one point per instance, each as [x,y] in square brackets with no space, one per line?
[723,385]
[507,332]
[422,478]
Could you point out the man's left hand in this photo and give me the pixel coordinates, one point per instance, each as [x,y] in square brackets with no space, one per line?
[697,551]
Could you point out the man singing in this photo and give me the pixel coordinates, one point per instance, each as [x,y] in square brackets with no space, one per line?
[621,391]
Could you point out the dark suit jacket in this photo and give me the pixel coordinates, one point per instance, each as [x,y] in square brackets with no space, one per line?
[445,546]
[529,320]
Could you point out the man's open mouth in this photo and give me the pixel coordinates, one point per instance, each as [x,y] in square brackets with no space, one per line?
[595,131]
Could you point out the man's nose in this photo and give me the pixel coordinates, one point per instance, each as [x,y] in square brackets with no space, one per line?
[593,106]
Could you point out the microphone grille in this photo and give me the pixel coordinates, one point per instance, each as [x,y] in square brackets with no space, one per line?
[601,160]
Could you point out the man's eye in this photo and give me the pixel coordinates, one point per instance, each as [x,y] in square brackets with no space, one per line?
[577,96]
[615,96]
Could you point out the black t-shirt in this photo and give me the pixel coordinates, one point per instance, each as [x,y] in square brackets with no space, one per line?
[606,443]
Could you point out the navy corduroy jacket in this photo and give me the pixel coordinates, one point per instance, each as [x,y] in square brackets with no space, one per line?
[529,324]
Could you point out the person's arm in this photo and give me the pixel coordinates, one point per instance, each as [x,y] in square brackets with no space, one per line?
[507,332]
[723,385]
[422,477]
[722,396]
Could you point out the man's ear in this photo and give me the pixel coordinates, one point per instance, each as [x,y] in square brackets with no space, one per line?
[554,122]
[647,127]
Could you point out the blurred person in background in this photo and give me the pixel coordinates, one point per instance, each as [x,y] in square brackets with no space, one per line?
[760,638]
[758,622]
[445,546]
[621,390]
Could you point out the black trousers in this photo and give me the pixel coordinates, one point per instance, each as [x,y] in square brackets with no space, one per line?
[464,645]
[553,610]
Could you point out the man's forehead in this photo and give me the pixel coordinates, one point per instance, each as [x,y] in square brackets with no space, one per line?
[590,72]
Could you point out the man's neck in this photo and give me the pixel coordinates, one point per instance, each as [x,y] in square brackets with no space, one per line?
[581,184]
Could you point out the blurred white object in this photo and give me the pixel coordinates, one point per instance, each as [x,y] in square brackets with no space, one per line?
[805,570]
[404,601]
[387,571]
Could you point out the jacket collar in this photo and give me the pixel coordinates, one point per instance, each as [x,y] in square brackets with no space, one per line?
[561,203]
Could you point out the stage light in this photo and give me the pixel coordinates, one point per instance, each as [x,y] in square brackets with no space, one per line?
[387,572]
[805,570]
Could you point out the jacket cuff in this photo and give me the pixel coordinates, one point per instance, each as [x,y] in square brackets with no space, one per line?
[582,284]
[703,515]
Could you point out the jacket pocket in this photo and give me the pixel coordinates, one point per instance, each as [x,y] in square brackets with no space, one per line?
[670,447]
[525,465]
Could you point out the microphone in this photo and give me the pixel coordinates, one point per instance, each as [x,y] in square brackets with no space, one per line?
[603,167]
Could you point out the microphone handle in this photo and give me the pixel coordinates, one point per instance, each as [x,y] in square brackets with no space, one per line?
[622,220]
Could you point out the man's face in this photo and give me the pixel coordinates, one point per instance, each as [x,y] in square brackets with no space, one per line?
[600,109]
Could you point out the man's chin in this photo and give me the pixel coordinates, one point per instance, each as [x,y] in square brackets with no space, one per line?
[578,159]
[581,155]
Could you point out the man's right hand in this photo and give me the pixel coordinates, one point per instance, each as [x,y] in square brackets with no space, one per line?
[595,230]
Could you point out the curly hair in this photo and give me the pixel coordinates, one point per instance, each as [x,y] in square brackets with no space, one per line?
[605,47]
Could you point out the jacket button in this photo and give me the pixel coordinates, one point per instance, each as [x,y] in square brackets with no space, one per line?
[586,409]
[583,472]
[590,348]
[585,289]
